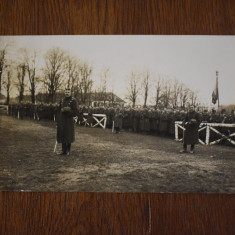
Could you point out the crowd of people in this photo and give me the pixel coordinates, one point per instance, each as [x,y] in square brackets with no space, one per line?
[146,120]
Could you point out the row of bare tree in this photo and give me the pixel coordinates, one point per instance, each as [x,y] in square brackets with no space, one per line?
[166,92]
[61,69]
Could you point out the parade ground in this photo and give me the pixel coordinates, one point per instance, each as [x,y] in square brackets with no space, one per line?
[102,161]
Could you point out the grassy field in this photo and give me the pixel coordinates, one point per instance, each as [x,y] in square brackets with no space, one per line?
[101,161]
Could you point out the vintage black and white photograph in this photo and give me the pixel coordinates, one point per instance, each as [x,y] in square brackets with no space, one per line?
[117,114]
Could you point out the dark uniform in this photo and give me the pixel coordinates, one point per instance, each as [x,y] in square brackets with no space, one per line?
[90,117]
[118,120]
[191,124]
[65,123]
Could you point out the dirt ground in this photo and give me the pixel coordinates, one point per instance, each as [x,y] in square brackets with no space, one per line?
[101,161]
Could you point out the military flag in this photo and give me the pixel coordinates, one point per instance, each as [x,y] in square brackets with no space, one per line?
[215,93]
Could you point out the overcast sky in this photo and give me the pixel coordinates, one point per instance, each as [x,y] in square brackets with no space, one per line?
[192,60]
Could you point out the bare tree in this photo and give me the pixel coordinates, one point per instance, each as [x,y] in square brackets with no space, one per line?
[72,69]
[133,89]
[193,98]
[2,64]
[21,70]
[183,95]
[53,71]
[76,84]
[30,62]
[7,83]
[166,94]
[85,83]
[6,44]
[175,93]
[103,84]
[79,78]
[145,86]
[158,87]
[112,94]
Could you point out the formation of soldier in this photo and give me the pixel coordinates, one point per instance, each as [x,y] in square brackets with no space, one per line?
[141,120]
[33,111]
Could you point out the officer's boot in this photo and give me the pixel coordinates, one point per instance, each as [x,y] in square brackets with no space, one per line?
[64,149]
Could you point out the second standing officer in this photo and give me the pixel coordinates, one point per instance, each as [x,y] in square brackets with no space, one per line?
[65,122]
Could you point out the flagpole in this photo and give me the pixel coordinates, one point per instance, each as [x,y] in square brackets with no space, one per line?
[217,75]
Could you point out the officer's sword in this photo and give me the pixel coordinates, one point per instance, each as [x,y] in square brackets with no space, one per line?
[113,127]
[55,146]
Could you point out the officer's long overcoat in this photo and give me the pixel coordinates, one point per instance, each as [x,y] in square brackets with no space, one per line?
[65,122]
[191,125]
[118,118]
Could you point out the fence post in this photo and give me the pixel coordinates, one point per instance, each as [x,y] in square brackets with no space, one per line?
[176,132]
[207,135]
[105,121]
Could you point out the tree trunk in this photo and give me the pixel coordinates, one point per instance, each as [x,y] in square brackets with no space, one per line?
[133,104]
[21,96]
[8,98]
[33,96]
[145,101]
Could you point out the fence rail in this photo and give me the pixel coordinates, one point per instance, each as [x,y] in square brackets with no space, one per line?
[209,127]
[100,120]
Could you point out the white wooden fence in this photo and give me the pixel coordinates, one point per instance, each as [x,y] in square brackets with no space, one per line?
[100,120]
[209,127]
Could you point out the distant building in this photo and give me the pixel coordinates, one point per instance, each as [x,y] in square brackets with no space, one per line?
[108,99]
[94,99]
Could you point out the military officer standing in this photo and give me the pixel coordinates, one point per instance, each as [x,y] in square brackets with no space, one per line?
[65,122]
[118,116]
[191,124]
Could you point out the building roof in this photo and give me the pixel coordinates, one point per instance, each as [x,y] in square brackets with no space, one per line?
[108,96]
